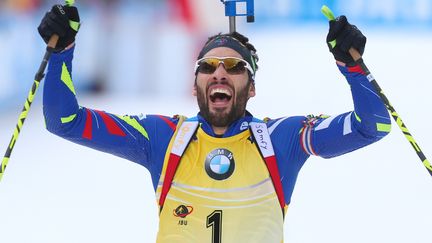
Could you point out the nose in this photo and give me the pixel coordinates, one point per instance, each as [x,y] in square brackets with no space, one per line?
[220,73]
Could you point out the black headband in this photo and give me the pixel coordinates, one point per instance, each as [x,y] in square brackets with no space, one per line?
[233,43]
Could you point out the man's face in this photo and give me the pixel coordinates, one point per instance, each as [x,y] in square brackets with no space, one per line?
[221,96]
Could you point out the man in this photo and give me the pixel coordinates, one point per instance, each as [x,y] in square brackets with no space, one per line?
[224,175]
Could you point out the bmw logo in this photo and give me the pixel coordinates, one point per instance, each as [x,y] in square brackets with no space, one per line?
[219,164]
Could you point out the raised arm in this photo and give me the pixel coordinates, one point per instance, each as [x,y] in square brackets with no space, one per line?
[369,122]
[124,136]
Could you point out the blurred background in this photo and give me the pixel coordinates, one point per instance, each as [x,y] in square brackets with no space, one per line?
[137,57]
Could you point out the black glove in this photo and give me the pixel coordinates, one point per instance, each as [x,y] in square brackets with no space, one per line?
[63,21]
[346,36]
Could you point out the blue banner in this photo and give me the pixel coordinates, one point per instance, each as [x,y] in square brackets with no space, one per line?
[409,13]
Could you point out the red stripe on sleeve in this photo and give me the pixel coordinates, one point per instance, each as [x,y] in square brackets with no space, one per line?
[170,123]
[356,69]
[111,125]
[302,142]
[87,133]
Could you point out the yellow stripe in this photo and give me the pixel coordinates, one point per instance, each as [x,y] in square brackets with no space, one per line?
[427,164]
[4,163]
[400,122]
[413,142]
[3,166]
[66,78]
[32,92]
[68,119]
[135,124]
[74,25]
[357,117]
[27,105]
[70,2]
[14,138]
[406,132]
[382,127]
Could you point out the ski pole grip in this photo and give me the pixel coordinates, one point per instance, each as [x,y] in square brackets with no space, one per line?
[330,16]
[53,41]
[354,54]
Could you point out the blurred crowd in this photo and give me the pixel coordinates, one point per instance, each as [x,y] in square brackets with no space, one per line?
[179,9]
[125,46]
[122,46]
[34,5]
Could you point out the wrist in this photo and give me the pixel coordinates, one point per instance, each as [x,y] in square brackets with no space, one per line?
[69,46]
[340,63]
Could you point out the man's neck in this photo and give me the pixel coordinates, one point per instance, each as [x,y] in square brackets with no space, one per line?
[219,131]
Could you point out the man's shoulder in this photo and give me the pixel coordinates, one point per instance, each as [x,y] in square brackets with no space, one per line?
[161,120]
[285,121]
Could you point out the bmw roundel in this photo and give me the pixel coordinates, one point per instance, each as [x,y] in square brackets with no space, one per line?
[219,164]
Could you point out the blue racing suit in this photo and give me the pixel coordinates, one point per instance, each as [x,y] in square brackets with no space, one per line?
[144,139]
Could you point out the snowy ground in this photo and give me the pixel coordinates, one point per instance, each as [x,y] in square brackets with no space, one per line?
[56,192]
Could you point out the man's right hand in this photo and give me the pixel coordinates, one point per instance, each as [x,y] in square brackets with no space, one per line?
[63,21]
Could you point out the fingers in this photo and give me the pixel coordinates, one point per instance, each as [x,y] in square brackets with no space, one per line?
[359,41]
[62,21]
[342,36]
[44,29]
[54,22]
[72,13]
[57,25]
[336,27]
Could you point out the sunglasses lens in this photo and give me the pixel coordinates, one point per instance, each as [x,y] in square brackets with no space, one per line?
[234,66]
[207,67]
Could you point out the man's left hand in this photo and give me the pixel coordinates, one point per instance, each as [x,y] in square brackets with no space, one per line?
[341,37]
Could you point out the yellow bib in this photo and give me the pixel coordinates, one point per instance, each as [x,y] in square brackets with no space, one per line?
[221,192]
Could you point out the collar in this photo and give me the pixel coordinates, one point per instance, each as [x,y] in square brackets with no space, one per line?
[233,129]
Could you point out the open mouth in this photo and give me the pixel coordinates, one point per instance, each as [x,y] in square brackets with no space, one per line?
[220,96]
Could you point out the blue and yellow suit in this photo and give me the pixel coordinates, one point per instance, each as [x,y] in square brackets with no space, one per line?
[221,191]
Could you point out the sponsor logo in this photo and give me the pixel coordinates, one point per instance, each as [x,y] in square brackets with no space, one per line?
[244,126]
[221,41]
[261,139]
[181,136]
[60,8]
[182,211]
[219,164]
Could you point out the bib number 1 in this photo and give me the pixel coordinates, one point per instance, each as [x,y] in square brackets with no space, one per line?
[214,220]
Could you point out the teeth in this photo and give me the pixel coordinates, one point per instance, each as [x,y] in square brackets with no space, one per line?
[221,90]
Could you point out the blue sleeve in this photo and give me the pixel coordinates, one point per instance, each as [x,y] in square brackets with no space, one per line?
[290,156]
[296,138]
[131,137]
[330,136]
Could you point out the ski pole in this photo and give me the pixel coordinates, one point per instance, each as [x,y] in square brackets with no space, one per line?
[38,77]
[231,12]
[359,60]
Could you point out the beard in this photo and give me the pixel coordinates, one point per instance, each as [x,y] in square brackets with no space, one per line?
[227,116]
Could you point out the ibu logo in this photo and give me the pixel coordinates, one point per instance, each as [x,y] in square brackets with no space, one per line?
[219,164]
